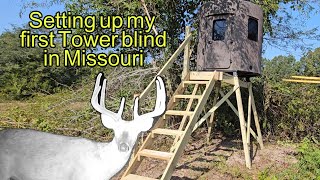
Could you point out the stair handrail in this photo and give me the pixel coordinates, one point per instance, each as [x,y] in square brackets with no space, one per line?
[166,66]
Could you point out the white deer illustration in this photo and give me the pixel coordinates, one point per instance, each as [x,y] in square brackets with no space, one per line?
[34,155]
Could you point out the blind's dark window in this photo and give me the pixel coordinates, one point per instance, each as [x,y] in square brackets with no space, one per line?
[219,29]
[253,29]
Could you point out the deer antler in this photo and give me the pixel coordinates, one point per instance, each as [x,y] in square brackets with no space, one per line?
[159,109]
[160,106]
[101,107]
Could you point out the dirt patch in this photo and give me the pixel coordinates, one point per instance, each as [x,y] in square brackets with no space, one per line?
[222,158]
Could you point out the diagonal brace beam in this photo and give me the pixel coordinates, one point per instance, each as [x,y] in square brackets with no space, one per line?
[214,108]
[237,113]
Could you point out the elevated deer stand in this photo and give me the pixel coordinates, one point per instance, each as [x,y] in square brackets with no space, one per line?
[211,81]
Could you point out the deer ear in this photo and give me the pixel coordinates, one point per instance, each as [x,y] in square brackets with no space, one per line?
[145,124]
[108,122]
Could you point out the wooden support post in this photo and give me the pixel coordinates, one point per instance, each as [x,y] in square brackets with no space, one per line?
[186,60]
[212,117]
[242,122]
[256,118]
[210,125]
[249,117]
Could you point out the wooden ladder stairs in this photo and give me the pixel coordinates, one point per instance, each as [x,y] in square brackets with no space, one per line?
[195,88]
[196,102]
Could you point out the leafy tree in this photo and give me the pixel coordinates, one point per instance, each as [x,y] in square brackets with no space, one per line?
[22,73]
[279,67]
[280,17]
[310,63]
[291,109]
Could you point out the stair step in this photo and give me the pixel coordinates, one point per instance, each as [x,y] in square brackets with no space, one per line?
[187,97]
[156,154]
[136,177]
[194,82]
[167,132]
[179,113]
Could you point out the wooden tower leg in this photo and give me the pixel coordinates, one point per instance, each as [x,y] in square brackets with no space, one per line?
[242,122]
[212,117]
[255,116]
[249,116]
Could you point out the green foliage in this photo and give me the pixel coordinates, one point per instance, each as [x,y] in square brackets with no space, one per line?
[309,160]
[310,64]
[291,110]
[22,73]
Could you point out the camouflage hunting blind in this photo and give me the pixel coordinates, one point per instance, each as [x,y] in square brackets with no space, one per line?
[230,37]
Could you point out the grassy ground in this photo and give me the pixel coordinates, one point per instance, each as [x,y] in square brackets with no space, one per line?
[71,114]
